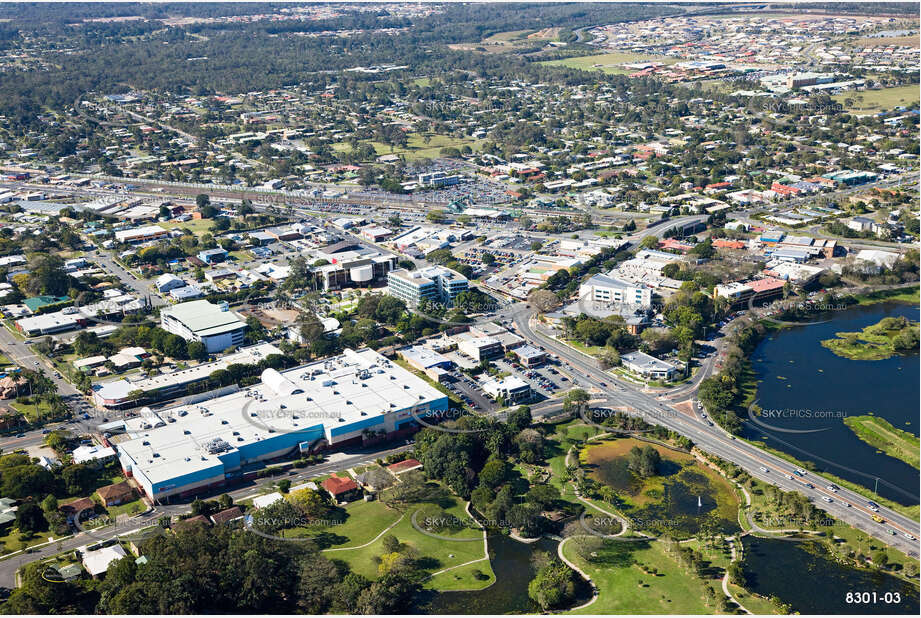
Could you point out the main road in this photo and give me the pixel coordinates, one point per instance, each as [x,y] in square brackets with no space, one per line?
[845,505]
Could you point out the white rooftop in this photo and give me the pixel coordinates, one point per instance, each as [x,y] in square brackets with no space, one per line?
[204,318]
[260,502]
[332,394]
[97,561]
[82,454]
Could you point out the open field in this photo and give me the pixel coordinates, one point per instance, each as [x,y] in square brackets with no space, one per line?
[416,146]
[913,41]
[609,63]
[625,588]
[871,101]
[354,525]
[891,440]
[196,226]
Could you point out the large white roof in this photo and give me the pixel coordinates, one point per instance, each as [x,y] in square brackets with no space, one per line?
[333,393]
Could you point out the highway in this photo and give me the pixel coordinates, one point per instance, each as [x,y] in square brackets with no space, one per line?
[717,442]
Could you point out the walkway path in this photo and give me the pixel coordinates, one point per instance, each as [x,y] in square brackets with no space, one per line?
[585,576]
[732,558]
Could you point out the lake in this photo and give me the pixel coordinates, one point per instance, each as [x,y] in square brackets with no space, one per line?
[806,388]
[804,575]
[511,562]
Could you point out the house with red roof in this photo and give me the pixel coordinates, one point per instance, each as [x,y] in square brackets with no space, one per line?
[404,466]
[721,243]
[342,489]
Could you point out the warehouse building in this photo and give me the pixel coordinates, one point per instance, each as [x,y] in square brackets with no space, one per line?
[200,320]
[141,234]
[184,450]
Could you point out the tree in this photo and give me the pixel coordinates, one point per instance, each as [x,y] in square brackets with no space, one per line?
[345,594]
[554,585]
[202,200]
[544,301]
[649,242]
[30,518]
[544,496]
[574,399]
[197,350]
[47,276]
[644,461]
[519,418]
[391,594]
[311,504]
[494,473]
[26,480]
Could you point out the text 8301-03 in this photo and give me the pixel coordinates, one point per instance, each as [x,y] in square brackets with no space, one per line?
[865,598]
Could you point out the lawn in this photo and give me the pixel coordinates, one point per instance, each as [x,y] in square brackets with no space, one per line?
[474,576]
[438,552]
[36,410]
[350,526]
[842,539]
[610,62]
[871,101]
[10,541]
[130,508]
[907,295]
[624,588]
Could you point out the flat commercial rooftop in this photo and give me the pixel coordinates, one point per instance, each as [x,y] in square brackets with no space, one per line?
[245,356]
[330,398]
[204,318]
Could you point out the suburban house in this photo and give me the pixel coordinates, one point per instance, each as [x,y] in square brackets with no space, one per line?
[342,489]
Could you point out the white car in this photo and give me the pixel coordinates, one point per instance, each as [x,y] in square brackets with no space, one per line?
[909,537]
[826,498]
[847,504]
[789,476]
[763,469]
[832,488]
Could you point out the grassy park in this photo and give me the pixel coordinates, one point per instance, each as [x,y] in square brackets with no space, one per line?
[627,585]
[872,101]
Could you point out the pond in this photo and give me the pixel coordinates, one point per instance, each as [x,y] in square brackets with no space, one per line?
[683,499]
[808,390]
[511,562]
[805,576]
